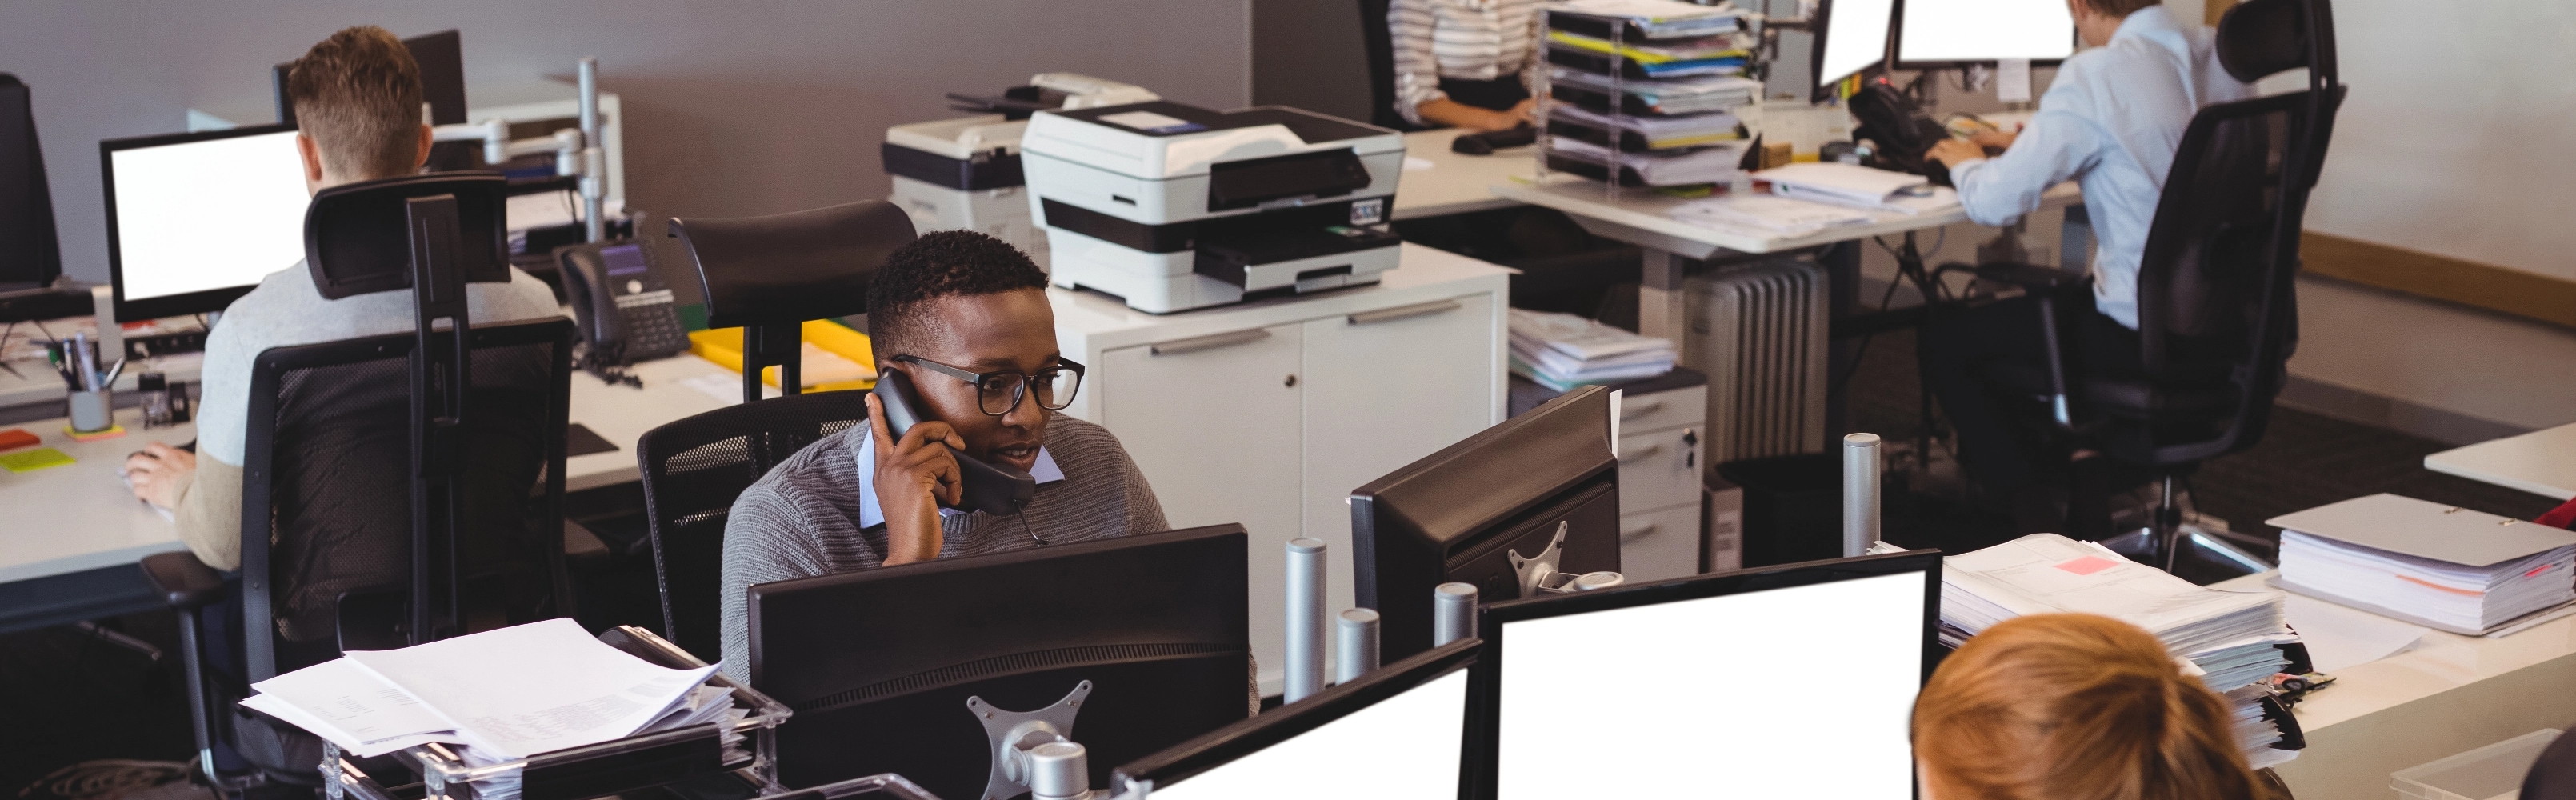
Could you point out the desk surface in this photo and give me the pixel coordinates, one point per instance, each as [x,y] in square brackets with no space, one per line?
[2450,694]
[2542,462]
[1456,183]
[1644,218]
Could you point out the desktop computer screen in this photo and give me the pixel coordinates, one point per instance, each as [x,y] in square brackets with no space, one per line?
[1796,681]
[195,220]
[1851,35]
[1396,733]
[1937,33]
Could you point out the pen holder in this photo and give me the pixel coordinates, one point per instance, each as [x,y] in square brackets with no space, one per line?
[92,412]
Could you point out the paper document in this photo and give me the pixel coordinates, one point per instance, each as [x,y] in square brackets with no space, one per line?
[534,688]
[2048,573]
[2012,80]
[1768,213]
[2339,638]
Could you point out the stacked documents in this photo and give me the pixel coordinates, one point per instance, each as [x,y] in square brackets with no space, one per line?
[1667,97]
[504,694]
[1563,351]
[1656,133]
[1705,165]
[1653,19]
[1768,214]
[1859,187]
[2233,638]
[2462,571]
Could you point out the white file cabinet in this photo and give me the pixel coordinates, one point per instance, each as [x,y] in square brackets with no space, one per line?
[1663,452]
[1269,413]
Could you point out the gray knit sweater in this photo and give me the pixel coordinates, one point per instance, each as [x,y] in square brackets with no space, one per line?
[801,520]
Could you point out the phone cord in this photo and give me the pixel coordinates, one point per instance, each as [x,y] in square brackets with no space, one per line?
[1033,533]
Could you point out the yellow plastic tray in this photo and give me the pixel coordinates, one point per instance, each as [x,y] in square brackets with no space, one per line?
[724,346]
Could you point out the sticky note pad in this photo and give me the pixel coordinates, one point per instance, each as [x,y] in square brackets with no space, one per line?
[15,438]
[112,432]
[32,460]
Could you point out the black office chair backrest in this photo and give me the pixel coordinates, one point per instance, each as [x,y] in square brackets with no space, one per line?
[2553,775]
[2216,300]
[770,274]
[326,473]
[694,468]
[1377,37]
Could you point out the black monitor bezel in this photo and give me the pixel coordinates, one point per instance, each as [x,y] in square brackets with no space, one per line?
[1485,698]
[1218,747]
[200,302]
[1896,49]
[1821,29]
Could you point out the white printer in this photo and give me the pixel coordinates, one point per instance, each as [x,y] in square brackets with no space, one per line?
[1173,207]
[964,173]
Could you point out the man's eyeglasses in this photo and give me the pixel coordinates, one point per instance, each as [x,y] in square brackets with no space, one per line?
[1000,392]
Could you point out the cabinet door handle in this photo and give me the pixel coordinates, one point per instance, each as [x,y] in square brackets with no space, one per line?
[1197,343]
[1629,412]
[1405,312]
[1626,534]
[1626,456]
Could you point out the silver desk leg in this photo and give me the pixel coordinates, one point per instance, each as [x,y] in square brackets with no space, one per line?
[1659,296]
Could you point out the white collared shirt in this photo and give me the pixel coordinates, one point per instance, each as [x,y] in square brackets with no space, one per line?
[872,515]
[2111,121]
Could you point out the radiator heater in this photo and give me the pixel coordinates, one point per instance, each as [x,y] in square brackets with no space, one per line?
[1759,332]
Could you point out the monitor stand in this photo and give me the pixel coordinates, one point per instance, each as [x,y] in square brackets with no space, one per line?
[1538,574]
[1033,751]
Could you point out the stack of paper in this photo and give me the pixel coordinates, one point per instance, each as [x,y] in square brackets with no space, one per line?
[2233,638]
[1858,187]
[1661,19]
[1768,214]
[1563,351]
[1705,165]
[2462,571]
[1659,133]
[504,694]
[1670,97]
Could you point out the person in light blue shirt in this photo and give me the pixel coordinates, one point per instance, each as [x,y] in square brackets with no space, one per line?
[2110,121]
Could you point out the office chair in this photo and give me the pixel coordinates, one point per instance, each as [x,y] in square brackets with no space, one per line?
[2217,309]
[769,275]
[2553,775]
[396,489]
[1379,41]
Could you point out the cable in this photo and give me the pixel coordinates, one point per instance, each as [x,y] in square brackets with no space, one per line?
[1033,532]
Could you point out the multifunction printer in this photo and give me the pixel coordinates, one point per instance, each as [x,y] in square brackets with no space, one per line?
[964,173]
[1173,207]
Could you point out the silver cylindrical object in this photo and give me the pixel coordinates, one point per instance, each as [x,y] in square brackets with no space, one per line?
[1354,644]
[1860,492]
[594,200]
[1453,613]
[1059,771]
[1305,619]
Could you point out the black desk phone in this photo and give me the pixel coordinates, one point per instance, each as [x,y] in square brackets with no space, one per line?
[996,490]
[624,310]
[1903,130]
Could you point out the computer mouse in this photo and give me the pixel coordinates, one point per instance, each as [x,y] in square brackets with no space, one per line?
[1473,144]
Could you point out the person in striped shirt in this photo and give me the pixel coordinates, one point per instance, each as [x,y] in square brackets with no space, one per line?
[1465,63]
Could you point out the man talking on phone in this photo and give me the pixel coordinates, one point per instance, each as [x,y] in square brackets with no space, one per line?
[964,317]
[2112,120]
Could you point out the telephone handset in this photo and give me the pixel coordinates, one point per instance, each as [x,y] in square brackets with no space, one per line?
[996,490]
[624,310]
[1905,133]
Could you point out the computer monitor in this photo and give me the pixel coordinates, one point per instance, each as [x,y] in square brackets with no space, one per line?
[1460,514]
[879,665]
[1851,36]
[1931,34]
[195,220]
[1791,681]
[1394,734]
[30,256]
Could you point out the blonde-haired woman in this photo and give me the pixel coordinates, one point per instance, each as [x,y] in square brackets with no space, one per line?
[2074,707]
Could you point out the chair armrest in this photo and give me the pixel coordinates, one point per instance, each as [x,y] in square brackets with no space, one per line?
[183,581]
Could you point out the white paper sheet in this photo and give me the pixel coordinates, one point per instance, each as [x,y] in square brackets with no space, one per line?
[349,701]
[534,688]
[2340,638]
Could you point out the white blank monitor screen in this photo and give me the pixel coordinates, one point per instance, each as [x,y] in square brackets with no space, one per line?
[1803,691]
[1405,747]
[204,215]
[1984,30]
[1855,37]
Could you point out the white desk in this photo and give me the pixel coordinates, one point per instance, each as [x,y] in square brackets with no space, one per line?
[2542,462]
[2450,694]
[1456,182]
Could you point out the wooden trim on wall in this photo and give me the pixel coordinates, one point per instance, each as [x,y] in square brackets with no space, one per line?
[2501,289]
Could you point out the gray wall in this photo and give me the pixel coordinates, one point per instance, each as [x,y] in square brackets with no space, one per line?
[1309,54]
[732,108]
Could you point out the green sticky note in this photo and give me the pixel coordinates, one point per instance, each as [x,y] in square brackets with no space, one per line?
[32,460]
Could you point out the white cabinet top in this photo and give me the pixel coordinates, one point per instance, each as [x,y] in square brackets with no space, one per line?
[1089,322]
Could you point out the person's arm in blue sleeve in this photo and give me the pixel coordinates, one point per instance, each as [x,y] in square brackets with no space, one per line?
[1998,191]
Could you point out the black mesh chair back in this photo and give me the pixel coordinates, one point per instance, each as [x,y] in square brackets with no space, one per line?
[694,468]
[768,275]
[2217,311]
[1378,39]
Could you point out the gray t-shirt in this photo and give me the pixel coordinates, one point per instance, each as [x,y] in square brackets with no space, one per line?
[801,520]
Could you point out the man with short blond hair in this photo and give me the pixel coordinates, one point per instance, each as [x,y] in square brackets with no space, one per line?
[356,97]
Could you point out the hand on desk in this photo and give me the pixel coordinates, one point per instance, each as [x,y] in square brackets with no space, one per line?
[160,474]
[912,478]
[1954,152]
[1996,139]
[1456,114]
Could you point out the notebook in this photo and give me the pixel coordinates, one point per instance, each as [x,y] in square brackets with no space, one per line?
[2463,571]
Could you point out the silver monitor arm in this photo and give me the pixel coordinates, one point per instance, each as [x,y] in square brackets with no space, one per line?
[1033,751]
[578,151]
[1539,575]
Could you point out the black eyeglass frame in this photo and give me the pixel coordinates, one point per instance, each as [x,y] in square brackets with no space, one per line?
[976,379]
